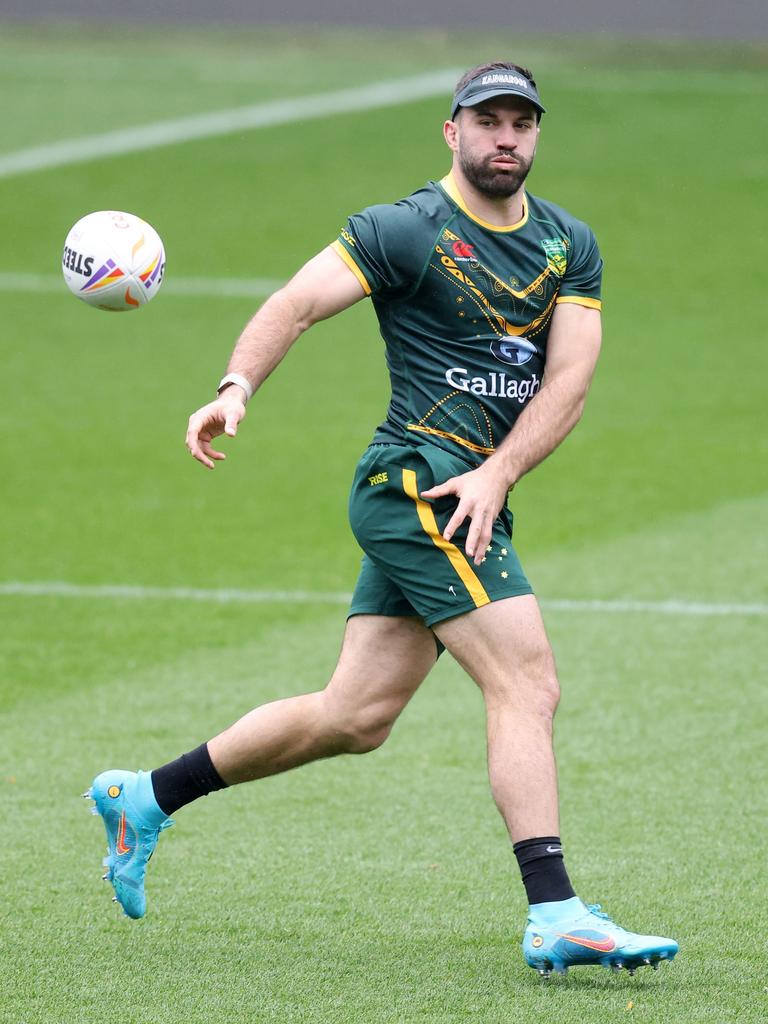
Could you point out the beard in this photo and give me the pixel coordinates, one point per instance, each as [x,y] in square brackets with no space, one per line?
[492,181]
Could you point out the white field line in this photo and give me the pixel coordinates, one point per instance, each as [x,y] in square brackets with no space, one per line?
[657,607]
[225,122]
[131,592]
[342,101]
[189,287]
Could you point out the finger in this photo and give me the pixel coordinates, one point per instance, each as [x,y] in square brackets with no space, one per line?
[201,428]
[455,521]
[440,490]
[211,452]
[197,454]
[195,449]
[194,430]
[207,447]
[477,537]
[486,537]
[206,421]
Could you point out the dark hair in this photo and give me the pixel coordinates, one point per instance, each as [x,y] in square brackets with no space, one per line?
[495,65]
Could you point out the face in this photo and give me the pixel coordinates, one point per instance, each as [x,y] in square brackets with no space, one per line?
[495,143]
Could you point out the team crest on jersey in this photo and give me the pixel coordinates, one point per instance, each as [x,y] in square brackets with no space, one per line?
[556,250]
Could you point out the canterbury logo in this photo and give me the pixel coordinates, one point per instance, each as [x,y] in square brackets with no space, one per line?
[120,846]
[601,945]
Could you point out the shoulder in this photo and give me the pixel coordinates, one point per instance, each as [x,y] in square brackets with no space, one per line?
[389,242]
[571,250]
[543,212]
[415,212]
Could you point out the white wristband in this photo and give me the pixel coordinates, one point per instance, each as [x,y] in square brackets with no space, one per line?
[240,380]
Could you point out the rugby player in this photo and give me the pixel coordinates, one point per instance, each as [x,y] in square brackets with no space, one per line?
[488,299]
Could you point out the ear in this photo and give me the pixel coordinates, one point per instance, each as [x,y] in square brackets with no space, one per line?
[451,135]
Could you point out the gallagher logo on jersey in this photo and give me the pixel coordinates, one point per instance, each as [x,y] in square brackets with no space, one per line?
[514,351]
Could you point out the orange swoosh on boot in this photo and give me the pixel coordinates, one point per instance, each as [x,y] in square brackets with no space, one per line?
[601,945]
[120,846]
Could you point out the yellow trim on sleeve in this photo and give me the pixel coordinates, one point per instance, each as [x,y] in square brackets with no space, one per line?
[455,557]
[580,300]
[449,186]
[339,249]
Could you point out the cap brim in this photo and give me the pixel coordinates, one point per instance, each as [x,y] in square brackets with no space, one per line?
[489,94]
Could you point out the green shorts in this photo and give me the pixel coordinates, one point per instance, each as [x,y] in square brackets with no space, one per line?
[408,567]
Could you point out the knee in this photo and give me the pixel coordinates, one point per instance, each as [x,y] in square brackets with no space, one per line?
[544,688]
[358,730]
[548,695]
[539,698]
[367,736]
[533,689]
[541,685]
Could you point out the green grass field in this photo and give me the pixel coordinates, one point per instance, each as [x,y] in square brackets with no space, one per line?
[379,889]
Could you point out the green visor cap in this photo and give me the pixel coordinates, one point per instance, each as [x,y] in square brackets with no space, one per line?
[496,83]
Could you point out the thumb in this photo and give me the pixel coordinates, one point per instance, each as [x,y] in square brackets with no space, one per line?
[230,425]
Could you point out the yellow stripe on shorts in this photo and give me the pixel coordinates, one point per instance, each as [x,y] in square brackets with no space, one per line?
[455,557]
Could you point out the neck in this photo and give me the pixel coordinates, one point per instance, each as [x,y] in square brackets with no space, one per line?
[503,211]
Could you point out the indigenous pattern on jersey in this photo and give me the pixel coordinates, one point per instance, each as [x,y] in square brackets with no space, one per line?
[465,309]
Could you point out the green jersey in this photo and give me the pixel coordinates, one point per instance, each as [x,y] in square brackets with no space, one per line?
[465,308]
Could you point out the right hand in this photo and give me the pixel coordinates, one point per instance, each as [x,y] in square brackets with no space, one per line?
[482,493]
[218,417]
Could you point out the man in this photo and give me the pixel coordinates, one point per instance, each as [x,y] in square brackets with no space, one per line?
[489,302]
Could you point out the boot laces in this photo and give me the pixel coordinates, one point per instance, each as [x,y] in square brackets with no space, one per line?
[594,908]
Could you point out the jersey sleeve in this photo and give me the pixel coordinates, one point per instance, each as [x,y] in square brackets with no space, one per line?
[384,247]
[584,272]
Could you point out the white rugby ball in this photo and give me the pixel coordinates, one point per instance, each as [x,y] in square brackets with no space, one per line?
[113,260]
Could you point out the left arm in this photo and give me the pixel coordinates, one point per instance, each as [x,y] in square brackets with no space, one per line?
[572,351]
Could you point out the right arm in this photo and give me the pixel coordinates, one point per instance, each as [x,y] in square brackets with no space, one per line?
[323,287]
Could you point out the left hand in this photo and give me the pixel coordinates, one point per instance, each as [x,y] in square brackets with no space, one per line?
[481,493]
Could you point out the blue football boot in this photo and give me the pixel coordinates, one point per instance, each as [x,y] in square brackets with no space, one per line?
[569,933]
[133,821]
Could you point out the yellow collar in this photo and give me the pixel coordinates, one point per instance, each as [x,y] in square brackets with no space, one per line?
[449,186]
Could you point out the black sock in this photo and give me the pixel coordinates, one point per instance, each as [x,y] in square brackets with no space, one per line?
[543,869]
[188,777]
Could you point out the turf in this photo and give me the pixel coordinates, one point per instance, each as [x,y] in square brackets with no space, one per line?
[376,889]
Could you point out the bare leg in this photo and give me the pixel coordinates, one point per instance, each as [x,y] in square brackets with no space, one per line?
[383,661]
[504,648]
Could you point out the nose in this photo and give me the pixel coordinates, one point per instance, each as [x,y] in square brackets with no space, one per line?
[507,139]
